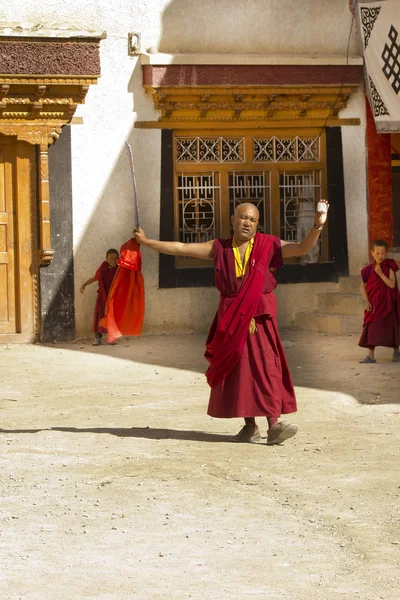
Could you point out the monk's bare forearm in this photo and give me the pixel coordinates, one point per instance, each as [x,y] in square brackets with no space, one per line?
[387,280]
[202,250]
[303,247]
[89,281]
[309,241]
[172,248]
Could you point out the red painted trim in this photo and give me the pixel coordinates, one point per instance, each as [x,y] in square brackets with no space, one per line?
[239,75]
[40,57]
[380,207]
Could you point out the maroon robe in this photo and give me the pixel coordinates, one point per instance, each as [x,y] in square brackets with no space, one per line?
[104,275]
[248,373]
[381,324]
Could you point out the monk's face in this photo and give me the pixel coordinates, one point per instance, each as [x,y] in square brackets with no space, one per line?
[244,222]
[112,259]
[379,254]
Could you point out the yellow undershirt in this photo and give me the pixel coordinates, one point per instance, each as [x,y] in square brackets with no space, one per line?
[240,267]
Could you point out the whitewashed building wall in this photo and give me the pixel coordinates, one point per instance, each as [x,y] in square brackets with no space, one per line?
[102,198]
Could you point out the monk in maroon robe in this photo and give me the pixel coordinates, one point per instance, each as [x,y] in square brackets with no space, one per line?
[104,275]
[380,290]
[248,372]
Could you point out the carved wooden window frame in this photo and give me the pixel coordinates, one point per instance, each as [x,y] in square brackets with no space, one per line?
[222,169]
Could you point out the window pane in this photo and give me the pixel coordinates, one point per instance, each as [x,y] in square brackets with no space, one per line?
[198,206]
[298,197]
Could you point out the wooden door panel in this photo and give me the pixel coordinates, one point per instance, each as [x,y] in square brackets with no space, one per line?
[7,247]
[18,247]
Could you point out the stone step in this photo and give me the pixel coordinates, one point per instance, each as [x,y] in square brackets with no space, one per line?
[350,285]
[333,324]
[338,303]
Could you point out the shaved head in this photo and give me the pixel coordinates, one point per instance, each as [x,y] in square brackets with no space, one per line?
[244,222]
[247,206]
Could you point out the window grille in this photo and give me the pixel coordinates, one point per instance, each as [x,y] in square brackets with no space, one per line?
[298,196]
[198,206]
[215,173]
[210,149]
[295,149]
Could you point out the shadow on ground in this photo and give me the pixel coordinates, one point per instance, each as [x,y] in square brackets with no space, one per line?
[158,350]
[135,432]
[316,360]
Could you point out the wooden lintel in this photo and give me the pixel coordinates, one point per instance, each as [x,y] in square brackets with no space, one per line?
[261,124]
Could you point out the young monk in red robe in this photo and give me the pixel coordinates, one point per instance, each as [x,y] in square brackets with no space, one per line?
[104,275]
[248,372]
[382,313]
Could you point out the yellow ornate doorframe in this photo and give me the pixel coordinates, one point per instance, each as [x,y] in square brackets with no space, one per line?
[43,78]
[33,111]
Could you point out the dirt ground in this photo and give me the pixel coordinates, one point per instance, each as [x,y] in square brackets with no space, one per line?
[115,483]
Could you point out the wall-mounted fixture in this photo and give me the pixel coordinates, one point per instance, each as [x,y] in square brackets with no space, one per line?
[134,43]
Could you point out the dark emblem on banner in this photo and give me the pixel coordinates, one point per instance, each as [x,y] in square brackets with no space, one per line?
[391,60]
[368,18]
[379,106]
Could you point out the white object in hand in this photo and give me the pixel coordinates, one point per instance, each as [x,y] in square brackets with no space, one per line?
[321,207]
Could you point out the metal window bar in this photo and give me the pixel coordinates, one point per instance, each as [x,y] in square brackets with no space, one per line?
[199,197]
[296,149]
[210,149]
[295,191]
[253,187]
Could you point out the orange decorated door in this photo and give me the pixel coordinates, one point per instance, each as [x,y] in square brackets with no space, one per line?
[18,261]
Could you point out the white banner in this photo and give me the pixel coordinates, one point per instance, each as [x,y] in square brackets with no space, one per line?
[379,25]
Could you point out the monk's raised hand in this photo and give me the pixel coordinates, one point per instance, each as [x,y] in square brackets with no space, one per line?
[378,269]
[139,236]
[321,212]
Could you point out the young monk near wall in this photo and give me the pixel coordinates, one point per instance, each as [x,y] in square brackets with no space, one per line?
[382,313]
[104,275]
[248,372]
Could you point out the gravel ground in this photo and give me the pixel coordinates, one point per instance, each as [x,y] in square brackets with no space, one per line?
[115,484]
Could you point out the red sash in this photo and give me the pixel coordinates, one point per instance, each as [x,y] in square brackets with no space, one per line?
[124,312]
[230,327]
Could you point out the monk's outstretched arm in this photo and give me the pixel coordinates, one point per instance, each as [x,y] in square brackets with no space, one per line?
[88,282]
[300,248]
[203,250]
[303,247]
[389,281]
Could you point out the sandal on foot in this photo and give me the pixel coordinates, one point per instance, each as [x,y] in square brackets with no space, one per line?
[396,356]
[279,432]
[248,433]
[367,360]
[97,342]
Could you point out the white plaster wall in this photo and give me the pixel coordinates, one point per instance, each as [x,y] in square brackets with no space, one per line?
[256,26]
[102,202]
[355,184]
[294,298]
